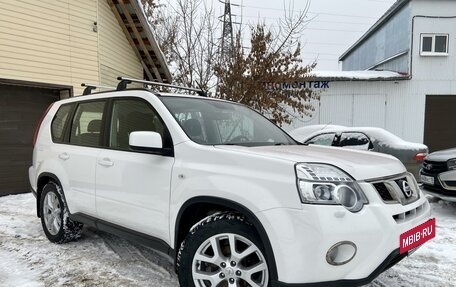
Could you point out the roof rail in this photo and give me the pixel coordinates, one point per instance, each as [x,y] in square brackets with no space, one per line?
[126,81]
[90,87]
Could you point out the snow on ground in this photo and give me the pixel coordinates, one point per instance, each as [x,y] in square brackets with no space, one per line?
[28,259]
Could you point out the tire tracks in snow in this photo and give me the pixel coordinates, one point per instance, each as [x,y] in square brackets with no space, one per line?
[147,260]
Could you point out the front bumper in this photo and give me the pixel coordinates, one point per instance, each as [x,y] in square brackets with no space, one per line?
[443,186]
[302,237]
[440,194]
[390,261]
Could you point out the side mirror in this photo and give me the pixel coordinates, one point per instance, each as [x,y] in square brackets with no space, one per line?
[145,141]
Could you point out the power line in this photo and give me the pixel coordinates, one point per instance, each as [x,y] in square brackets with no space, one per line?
[323,29]
[311,21]
[329,44]
[317,13]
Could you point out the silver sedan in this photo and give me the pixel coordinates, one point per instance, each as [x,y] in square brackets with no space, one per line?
[366,138]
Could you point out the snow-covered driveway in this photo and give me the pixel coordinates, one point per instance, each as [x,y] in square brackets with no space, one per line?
[27,258]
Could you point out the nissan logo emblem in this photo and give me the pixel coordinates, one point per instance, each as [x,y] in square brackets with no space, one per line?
[406,189]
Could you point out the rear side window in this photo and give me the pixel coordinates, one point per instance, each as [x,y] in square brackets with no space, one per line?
[59,122]
[87,124]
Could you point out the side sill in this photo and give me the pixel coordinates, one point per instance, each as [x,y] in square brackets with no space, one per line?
[392,259]
[126,233]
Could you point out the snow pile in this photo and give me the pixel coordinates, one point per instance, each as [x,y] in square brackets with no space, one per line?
[358,75]
[28,259]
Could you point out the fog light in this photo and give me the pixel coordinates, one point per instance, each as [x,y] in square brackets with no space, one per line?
[341,253]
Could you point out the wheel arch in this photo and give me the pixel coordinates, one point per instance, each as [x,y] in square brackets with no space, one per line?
[197,208]
[43,179]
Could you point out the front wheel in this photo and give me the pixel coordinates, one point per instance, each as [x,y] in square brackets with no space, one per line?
[222,251]
[57,225]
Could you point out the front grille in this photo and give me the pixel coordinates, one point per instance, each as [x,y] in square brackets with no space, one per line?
[410,214]
[434,167]
[400,189]
[383,191]
[451,183]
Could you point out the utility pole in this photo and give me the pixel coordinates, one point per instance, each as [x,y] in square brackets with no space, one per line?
[227,42]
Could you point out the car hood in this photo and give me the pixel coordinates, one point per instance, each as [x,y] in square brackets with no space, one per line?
[442,155]
[359,164]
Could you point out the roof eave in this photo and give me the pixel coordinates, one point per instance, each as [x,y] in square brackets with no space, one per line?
[388,15]
[149,54]
[152,39]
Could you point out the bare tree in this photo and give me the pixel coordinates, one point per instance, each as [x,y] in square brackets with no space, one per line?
[187,33]
[269,76]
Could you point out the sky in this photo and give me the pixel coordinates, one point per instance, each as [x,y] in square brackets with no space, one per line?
[335,24]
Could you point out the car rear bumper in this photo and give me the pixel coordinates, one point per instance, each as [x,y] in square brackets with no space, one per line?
[414,168]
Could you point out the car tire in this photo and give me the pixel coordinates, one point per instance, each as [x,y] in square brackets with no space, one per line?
[57,225]
[222,250]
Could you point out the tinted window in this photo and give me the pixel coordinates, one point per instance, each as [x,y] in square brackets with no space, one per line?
[59,122]
[324,139]
[441,44]
[354,141]
[87,124]
[427,44]
[134,115]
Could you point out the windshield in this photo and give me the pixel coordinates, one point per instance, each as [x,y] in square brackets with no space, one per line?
[212,122]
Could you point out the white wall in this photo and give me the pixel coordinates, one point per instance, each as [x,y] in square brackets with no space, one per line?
[398,106]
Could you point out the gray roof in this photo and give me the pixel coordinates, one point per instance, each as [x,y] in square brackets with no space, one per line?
[388,15]
[358,76]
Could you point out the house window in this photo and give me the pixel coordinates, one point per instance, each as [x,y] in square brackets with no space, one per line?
[434,45]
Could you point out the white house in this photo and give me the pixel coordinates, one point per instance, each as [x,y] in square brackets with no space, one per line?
[400,75]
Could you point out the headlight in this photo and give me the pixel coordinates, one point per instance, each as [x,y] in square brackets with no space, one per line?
[451,164]
[326,184]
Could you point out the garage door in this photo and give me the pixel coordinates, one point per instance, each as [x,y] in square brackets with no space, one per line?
[440,122]
[20,110]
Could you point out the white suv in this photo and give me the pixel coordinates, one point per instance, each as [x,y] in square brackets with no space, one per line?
[224,192]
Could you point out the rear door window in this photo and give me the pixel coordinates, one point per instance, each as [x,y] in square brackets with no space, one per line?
[59,123]
[323,139]
[354,140]
[86,128]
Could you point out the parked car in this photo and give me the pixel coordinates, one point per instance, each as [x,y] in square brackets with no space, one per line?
[228,195]
[367,138]
[438,174]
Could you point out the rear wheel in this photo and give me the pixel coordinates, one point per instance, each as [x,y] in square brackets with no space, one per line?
[57,225]
[223,251]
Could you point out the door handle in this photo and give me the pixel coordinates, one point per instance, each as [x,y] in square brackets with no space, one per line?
[64,156]
[106,162]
